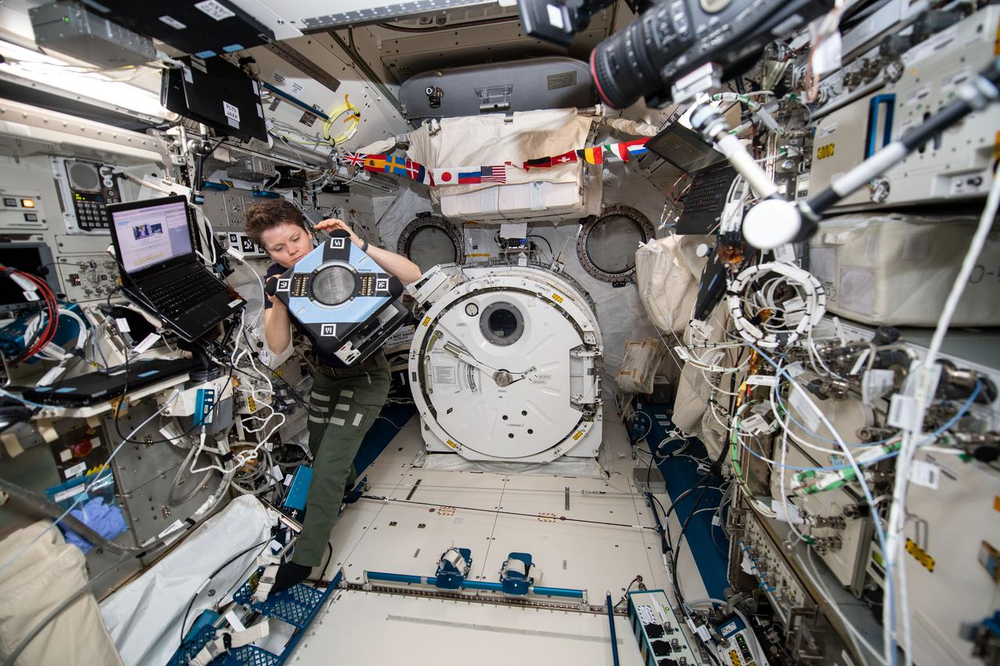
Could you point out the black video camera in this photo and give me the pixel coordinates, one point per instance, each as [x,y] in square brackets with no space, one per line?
[671,40]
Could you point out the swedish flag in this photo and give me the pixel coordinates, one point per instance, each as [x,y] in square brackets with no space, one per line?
[396,164]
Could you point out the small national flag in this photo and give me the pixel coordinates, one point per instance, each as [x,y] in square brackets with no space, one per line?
[396,164]
[564,158]
[539,163]
[618,150]
[470,177]
[494,174]
[637,147]
[416,171]
[355,159]
[593,155]
[444,177]
[375,163]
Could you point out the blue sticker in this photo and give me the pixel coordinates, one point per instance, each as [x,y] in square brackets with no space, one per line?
[232,47]
[206,54]
[149,373]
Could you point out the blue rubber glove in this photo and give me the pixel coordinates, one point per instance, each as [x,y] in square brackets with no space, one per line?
[106,520]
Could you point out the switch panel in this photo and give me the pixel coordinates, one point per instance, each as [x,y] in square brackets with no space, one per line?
[87,277]
[21,210]
[658,630]
[754,552]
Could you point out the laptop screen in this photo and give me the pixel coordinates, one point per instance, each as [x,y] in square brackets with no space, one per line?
[684,149]
[152,234]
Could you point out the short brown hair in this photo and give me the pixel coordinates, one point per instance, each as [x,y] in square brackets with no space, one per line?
[270,214]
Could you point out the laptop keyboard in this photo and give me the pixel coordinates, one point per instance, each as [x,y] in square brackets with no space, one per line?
[705,202]
[709,191]
[185,293]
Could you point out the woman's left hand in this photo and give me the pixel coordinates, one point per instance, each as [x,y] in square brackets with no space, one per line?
[330,225]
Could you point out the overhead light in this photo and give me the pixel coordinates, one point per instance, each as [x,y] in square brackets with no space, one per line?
[136,93]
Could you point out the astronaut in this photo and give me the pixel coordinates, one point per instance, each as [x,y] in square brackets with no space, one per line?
[344,401]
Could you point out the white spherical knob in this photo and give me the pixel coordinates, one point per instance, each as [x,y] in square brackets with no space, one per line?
[771,223]
[702,250]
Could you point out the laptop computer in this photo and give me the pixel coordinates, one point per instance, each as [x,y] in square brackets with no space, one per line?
[160,271]
[95,387]
[705,201]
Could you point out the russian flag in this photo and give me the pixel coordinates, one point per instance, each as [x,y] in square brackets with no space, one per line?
[470,177]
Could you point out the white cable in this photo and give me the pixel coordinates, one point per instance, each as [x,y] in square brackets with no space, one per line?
[968,265]
[36,323]
[97,477]
[814,305]
[263,294]
[852,632]
[210,231]
[897,512]
[890,614]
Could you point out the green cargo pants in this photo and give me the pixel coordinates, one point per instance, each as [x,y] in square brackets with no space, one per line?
[343,405]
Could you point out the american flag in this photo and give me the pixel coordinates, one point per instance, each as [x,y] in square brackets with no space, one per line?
[494,174]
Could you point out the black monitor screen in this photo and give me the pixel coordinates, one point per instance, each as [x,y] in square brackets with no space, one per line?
[27,257]
[684,149]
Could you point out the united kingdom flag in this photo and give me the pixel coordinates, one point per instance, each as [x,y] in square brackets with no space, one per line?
[355,159]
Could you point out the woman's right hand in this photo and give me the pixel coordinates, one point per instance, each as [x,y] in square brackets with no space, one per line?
[275,301]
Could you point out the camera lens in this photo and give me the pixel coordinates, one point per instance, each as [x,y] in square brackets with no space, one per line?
[637,61]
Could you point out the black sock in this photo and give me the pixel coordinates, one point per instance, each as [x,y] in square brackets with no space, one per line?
[289,574]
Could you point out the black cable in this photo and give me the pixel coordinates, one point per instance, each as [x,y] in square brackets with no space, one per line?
[551,254]
[329,556]
[295,394]
[638,578]
[716,467]
[56,513]
[117,412]
[213,575]
[48,299]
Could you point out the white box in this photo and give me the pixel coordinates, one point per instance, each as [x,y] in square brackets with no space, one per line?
[522,201]
[898,269]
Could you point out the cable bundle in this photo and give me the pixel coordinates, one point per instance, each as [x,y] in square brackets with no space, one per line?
[40,336]
[753,314]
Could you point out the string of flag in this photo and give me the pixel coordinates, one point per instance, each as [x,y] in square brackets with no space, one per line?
[400,165]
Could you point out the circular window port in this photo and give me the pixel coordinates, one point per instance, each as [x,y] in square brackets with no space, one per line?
[333,285]
[606,245]
[429,240]
[501,323]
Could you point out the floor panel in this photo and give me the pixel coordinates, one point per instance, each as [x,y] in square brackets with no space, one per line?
[370,628]
[594,534]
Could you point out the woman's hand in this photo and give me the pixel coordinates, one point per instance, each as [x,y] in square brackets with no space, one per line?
[274,299]
[330,225]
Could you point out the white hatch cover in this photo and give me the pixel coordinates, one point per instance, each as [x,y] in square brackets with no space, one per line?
[507,368]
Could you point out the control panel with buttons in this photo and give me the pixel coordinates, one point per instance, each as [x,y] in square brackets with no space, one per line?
[658,630]
[758,556]
[87,189]
[87,277]
[22,209]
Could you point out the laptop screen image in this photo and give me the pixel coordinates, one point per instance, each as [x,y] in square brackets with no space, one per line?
[152,234]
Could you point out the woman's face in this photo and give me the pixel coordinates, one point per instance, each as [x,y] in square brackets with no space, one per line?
[287,243]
